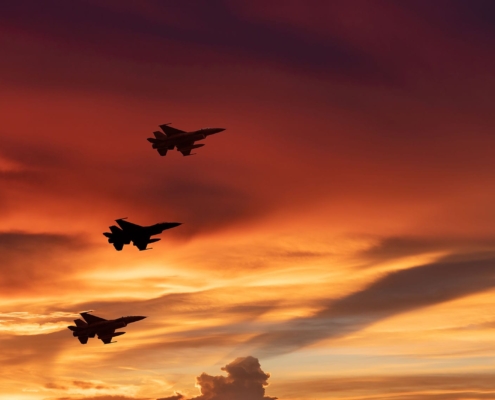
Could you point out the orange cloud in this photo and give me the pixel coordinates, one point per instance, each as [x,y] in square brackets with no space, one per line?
[397,292]
[244,381]
[352,187]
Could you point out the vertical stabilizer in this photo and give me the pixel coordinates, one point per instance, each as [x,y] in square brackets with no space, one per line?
[80,323]
[159,135]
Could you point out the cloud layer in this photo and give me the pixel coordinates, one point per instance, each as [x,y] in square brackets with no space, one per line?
[341,226]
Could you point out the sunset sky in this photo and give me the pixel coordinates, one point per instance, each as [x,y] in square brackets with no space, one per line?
[338,238]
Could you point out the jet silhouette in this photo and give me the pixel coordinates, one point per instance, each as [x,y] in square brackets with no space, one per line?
[104,329]
[175,138]
[140,236]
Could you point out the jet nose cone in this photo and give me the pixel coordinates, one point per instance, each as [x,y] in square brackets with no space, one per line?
[168,225]
[212,131]
[135,318]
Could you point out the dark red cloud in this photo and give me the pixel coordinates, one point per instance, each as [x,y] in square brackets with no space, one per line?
[215,26]
[178,396]
[316,134]
[105,397]
[36,262]
[245,380]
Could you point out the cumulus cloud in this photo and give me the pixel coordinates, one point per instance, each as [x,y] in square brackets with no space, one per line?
[245,380]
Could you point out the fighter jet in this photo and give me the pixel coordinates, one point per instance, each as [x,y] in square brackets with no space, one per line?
[104,329]
[140,236]
[183,141]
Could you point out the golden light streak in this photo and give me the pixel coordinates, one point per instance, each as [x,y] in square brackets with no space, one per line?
[16,323]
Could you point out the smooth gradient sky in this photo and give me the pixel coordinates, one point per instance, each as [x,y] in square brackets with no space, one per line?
[338,239]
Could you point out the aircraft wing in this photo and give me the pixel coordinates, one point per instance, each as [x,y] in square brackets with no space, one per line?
[142,242]
[169,131]
[106,336]
[186,152]
[185,148]
[91,319]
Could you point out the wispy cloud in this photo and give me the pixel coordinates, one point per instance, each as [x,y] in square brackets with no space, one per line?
[349,203]
[396,292]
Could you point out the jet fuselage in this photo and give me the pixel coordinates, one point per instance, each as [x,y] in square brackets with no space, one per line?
[139,235]
[160,227]
[186,137]
[96,328]
[172,138]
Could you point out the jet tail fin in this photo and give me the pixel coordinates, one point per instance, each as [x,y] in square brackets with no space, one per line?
[80,323]
[115,230]
[159,135]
